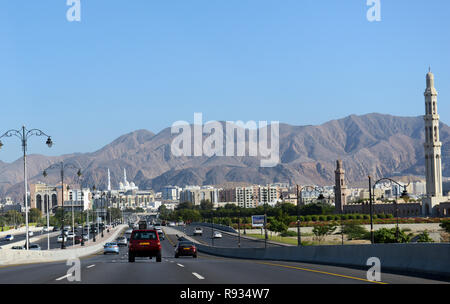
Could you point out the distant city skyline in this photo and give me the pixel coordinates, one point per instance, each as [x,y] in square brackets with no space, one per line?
[145,65]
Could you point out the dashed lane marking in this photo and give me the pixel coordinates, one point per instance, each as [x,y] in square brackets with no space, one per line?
[90,266]
[67,275]
[180,265]
[198,276]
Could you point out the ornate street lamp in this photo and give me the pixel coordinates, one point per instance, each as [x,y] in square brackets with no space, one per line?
[404,196]
[23,135]
[62,166]
[299,201]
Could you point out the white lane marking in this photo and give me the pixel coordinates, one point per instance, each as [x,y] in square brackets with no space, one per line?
[67,275]
[180,265]
[198,276]
[90,266]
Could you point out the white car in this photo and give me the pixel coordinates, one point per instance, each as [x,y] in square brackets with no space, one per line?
[172,224]
[70,235]
[30,233]
[85,237]
[198,231]
[9,237]
[60,239]
[217,235]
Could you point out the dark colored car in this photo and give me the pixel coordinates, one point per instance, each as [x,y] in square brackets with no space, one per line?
[144,243]
[185,249]
[78,239]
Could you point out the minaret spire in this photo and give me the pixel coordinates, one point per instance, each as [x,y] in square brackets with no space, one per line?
[109,181]
[433,168]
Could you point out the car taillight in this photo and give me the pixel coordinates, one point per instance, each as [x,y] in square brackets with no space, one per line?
[158,243]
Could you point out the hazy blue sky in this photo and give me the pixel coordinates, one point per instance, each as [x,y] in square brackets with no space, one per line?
[144,64]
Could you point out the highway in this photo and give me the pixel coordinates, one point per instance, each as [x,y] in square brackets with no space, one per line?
[227,240]
[206,269]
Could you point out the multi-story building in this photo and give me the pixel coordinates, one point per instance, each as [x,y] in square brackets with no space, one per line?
[196,194]
[171,193]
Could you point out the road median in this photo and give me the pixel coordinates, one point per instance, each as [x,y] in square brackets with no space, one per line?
[15,257]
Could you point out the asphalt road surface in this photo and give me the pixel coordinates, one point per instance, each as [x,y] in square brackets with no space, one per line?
[206,269]
[227,240]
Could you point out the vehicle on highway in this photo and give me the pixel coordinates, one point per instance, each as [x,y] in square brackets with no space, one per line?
[18,247]
[172,224]
[185,248]
[111,248]
[60,238]
[122,241]
[30,233]
[46,229]
[198,231]
[66,232]
[217,235]
[78,239]
[144,243]
[85,237]
[67,227]
[161,235]
[70,235]
[34,247]
[55,229]
[9,238]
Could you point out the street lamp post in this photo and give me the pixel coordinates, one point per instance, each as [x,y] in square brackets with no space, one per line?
[23,135]
[62,166]
[404,196]
[239,228]
[299,201]
[94,213]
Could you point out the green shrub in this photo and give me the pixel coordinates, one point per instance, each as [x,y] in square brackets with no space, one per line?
[358,217]
[330,217]
[445,224]
[354,231]
[424,237]
[366,216]
[350,217]
[288,233]
[344,217]
[313,218]
[308,218]
[385,235]
[322,218]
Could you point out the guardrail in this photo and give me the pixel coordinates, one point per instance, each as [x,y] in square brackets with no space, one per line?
[15,257]
[215,226]
[419,258]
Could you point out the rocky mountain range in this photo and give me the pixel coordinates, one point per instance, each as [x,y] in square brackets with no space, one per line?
[376,144]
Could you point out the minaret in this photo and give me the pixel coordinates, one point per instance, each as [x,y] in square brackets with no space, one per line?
[124,176]
[433,169]
[109,181]
[340,188]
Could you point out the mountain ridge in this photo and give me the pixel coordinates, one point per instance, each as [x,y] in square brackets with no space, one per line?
[375,144]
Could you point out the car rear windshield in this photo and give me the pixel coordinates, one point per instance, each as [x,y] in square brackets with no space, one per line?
[144,235]
[185,244]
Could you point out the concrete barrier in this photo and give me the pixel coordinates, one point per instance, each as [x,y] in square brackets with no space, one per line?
[21,230]
[31,240]
[421,258]
[13,257]
[215,226]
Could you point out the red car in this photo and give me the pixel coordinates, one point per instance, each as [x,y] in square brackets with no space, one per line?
[185,248]
[144,243]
